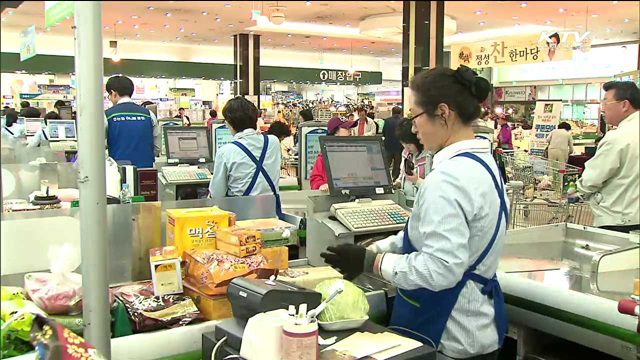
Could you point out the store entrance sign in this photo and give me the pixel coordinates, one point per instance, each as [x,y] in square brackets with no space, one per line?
[28,43]
[515,93]
[339,75]
[55,11]
[564,36]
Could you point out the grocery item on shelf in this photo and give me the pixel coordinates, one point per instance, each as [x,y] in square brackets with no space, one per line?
[166,273]
[195,228]
[239,250]
[211,307]
[238,236]
[148,312]
[274,232]
[211,271]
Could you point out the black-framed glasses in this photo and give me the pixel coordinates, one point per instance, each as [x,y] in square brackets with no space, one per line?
[417,116]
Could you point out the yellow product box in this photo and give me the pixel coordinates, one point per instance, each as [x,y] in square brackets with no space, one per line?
[165,270]
[238,236]
[239,250]
[211,307]
[195,228]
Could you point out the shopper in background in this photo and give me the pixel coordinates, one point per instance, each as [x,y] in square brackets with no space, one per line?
[392,147]
[335,127]
[505,136]
[306,115]
[416,161]
[11,126]
[133,133]
[24,105]
[30,112]
[213,116]
[560,144]
[351,117]
[283,132]
[60,103]
[611,180]
[365,126]
[250,165]
[41,138]
[182,116]
[443,264]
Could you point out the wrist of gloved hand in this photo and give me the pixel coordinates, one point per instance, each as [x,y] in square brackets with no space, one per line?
[369,261]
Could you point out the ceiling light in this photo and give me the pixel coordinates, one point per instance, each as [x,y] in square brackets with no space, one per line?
[324,38]
[625,20]
[193,34]
[334,44]
[289,35]
[106,27]
[524,4]
[135,26]
[167,14]
[125,39]
[231,36]
[548,22]
[10,12]
[218,19]
[119,21]
[48,29]
[227,5]
[371,52]
[348,24]
[268,39]
[303,42]
[459,31]
[151,30]
[579,26]
[615,2]
[393,49]
[134,16]
[515,17]
[364,46]
[115,58]
[4,19]
[397,54]
[166,25]
[215,40]
[608,29]
[517,24]
[205,13]
[562,10]
[177,37]
[137,35]
[230,25]
[150,7]
[308,3]
[344,49]
[181,29]
[594,15]
[478,12]
[250,31]
[315,47]
[283,45]
[481,23]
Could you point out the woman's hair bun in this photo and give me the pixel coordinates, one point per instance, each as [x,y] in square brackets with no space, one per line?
[478,86]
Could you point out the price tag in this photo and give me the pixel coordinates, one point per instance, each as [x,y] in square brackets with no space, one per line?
[379,191]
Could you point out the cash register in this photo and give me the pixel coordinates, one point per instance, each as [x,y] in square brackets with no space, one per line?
[186,175]
[63,137]
[356,168]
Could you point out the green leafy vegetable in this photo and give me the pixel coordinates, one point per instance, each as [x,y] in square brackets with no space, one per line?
[350,304]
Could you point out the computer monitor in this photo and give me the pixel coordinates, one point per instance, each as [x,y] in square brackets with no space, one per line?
[32,126]
[62,130]
[20,120]
[187,144]
[153,108]
[65,112]
[356,166]
[220,136]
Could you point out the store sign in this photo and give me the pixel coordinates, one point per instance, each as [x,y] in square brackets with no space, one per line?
[177,92]
[56,11]
[28,43]
[140,89]
[515,93]
[546,119]
[55,89]
[564,36]
[509,51]
[339,75]
[312,149]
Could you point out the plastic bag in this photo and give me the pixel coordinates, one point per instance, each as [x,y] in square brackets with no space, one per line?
[22,325]
[58,292]
[113,178]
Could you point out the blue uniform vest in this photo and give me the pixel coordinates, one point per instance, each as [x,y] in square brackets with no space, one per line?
[130,134]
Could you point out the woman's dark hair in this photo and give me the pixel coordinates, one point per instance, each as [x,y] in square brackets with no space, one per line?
[241,114]
[405,134]
[564,125]
[24,104]
[462,90]
[306,114]
[121,85]
[624,90]
[279,130]
[371,115]
[213,113]
[60,103]
[11,117]
[556,36]
[52,115]
[30,112]
[180,109]
[144,104]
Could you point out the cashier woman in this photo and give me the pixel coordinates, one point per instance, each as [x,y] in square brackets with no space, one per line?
[250,165]
[444,262]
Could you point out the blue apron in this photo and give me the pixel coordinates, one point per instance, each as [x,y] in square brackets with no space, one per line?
[426,312]
[261,169]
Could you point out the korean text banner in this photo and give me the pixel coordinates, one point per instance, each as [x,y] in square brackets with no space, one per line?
[546,119]
[509,51]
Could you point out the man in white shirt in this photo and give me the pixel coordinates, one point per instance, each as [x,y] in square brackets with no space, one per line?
[611,179]
[366,126]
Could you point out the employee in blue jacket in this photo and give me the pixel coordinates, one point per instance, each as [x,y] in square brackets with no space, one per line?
[444,263]
[133,133]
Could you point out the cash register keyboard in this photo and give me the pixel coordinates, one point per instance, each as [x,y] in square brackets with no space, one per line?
[377,215]
[185,174]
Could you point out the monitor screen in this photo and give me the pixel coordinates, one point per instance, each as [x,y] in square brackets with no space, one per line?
[21,120]
[60,130]
[32,125]
[356,165]
[187,144]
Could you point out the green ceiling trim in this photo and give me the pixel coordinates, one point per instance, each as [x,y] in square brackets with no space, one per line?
[55,64]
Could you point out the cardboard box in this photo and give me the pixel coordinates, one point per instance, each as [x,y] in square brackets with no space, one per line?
[238,236]
[239,250]
[277,258]
[211,307]
[195,228]
[311,276]
[165,270]
[274,232]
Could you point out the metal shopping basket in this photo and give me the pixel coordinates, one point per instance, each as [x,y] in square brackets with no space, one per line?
[289,166]
[526,213]
[581,214]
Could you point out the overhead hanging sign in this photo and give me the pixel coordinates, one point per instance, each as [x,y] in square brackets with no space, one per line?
[50,89]
[546,119]
[55,11]
[518,93]
[512,51]
[28,43]
[177,92]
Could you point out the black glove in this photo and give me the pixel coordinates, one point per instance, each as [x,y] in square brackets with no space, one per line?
[347,258]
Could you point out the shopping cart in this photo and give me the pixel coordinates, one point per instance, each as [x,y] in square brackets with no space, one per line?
[525,213]
[581,214]
[289,166]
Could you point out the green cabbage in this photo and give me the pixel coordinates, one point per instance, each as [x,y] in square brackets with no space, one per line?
[350,304]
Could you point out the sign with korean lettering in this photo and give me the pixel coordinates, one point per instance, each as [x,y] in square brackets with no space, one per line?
[516,93]
[340,76]
[510,51]
[28,43]
[56,11]
[312,149]
[51,89]
[546,119]
[178,92]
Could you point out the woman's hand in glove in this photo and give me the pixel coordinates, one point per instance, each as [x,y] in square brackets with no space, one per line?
[350,259]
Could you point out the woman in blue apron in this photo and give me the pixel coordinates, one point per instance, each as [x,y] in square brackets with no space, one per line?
[444,262]
[250,165]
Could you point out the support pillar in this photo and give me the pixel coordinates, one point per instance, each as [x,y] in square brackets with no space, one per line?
[246,55]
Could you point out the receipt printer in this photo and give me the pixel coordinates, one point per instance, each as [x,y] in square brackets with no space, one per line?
[249,297]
